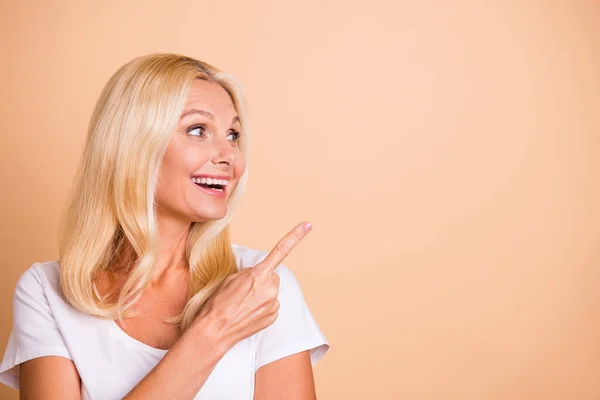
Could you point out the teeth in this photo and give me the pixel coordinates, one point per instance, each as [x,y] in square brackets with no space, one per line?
[210,181]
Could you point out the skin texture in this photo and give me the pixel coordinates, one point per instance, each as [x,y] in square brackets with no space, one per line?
[245,303]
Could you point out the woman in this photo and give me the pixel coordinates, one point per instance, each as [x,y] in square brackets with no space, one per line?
[149,298]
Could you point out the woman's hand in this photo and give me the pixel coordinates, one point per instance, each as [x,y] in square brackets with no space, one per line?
[246,302]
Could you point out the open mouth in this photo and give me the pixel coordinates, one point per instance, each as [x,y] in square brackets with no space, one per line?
[217,185]
[213,186]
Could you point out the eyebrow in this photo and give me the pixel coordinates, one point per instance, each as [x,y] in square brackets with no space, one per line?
[206,114]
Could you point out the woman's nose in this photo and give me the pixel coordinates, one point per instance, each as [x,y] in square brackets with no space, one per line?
[223,153]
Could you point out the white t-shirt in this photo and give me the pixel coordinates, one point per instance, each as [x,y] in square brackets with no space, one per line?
[110,362]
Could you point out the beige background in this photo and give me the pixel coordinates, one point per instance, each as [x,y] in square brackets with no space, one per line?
[447,153]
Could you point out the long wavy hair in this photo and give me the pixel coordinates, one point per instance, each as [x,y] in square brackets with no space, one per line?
[110,212]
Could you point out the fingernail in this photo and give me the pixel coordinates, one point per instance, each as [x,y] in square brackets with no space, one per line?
[306,226]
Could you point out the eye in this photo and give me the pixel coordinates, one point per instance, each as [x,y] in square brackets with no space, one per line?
[200,128]
[236,135]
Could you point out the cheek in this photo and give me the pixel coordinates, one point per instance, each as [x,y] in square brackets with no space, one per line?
[177,164]
[166,185]
[180,161]
[240,164]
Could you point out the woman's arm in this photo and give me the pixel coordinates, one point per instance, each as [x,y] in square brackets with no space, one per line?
[49,377]
[287,378]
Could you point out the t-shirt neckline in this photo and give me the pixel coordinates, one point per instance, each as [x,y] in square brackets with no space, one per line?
[120,332]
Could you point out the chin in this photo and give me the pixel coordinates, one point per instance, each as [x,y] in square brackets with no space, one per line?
[210,216]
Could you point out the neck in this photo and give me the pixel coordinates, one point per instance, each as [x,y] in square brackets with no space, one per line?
[173,238]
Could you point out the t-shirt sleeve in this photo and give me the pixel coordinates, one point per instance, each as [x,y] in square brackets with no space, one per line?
[295,328]
[34,332]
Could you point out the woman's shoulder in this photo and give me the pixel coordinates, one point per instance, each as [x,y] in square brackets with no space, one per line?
[38,288]
[41,275]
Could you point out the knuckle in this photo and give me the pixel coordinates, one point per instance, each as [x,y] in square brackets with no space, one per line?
[273,317]
[282,247]
[254,274]
[254,281]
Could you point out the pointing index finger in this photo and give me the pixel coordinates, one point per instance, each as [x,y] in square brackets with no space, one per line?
[283,248]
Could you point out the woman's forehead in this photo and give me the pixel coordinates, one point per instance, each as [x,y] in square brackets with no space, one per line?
[208,94]
[210,100]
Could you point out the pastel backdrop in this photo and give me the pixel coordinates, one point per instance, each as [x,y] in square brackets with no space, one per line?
[446,152]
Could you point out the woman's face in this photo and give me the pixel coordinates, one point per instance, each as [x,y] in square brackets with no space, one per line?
[204,145]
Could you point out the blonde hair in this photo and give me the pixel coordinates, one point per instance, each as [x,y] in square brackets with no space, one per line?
[111,204]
